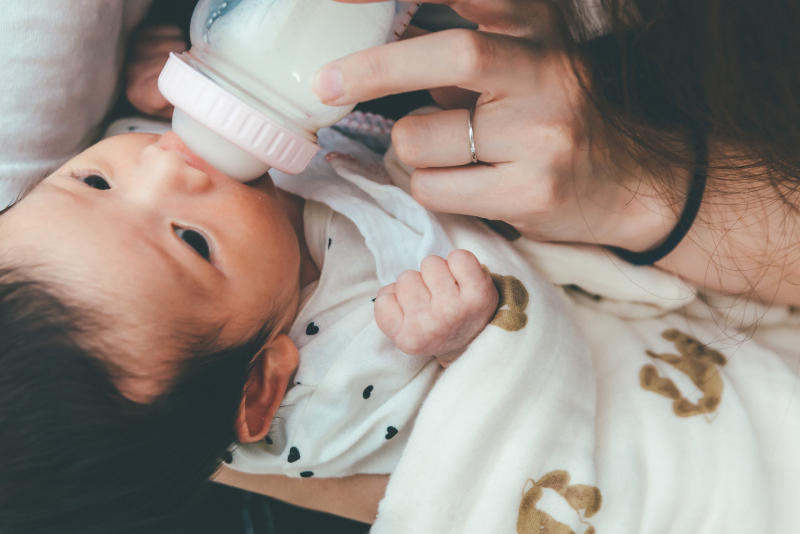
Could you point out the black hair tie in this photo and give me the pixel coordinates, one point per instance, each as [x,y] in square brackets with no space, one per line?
[694,198]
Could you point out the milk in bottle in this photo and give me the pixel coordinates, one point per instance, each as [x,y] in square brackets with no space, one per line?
[242,93]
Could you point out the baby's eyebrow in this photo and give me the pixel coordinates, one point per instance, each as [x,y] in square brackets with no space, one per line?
[67,193]
[22,193]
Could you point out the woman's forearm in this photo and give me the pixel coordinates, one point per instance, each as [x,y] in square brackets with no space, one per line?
[355,497]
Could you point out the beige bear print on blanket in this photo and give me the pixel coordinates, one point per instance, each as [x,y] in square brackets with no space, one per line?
[696,361]
[511,306]
[583,500]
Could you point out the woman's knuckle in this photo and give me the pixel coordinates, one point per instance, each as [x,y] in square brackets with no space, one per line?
[422,190]
[404,141]
[555,141]
[548,192]
[374,66]
[473,53]
[562,141]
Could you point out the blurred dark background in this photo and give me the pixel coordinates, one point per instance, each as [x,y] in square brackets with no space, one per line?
[231,511]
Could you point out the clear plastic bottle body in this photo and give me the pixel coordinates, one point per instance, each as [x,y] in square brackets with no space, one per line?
[270,50]
[243,92]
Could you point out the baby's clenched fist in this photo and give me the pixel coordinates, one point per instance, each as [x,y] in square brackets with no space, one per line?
[440,308]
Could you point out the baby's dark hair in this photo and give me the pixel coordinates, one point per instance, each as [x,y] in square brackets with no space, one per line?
[77,455]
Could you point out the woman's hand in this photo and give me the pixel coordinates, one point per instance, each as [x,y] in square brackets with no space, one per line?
[520,18]
[149,52]
[546,166]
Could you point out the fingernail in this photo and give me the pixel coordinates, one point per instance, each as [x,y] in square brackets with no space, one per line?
[329,85]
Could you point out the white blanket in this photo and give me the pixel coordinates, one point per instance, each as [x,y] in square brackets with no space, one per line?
[60,63]
[603,396]
[628,406]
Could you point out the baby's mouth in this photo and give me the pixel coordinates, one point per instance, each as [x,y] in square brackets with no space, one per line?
[171,142]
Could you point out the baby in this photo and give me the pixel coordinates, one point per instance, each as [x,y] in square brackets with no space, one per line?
[142,291]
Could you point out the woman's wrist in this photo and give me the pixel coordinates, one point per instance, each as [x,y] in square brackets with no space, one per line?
[693,199]
[643,215]
[657,200]
[744,242]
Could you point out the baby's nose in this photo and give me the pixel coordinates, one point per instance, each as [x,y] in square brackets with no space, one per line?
[168,164]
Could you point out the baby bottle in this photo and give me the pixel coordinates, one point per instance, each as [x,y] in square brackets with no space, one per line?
[242,93]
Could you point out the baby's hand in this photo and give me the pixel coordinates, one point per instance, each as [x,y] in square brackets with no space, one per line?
[148,54]
[439,309]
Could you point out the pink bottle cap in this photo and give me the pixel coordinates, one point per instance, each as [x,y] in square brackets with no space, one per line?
[234,120]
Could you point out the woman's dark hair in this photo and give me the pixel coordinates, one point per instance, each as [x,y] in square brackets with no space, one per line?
[667,68]
[78,456]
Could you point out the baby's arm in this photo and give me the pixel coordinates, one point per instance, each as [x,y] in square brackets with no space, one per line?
[149,52]
[440,308]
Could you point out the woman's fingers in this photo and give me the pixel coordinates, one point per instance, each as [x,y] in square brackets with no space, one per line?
[441,139]
[520,18]
[454,97]
[480,190]
[486,63]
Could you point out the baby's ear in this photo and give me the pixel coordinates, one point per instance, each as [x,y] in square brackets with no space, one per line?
[265,388]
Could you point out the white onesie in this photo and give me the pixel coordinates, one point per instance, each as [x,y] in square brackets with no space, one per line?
[355,395]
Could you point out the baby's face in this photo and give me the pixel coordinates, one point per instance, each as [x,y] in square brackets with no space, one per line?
[140,227]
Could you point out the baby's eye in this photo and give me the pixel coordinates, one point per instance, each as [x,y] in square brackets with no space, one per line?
[96,182]
[195,240]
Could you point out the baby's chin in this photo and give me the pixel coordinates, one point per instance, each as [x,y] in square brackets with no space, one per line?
[264,184]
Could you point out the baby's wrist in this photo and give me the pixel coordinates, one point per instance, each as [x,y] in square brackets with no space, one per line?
[450,356]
